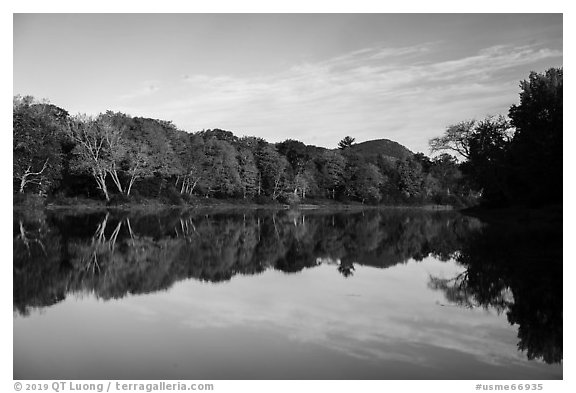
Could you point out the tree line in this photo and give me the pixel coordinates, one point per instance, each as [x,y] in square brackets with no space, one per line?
[119,158]
[116,157]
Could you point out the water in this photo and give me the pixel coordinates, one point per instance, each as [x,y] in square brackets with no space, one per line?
[389,294]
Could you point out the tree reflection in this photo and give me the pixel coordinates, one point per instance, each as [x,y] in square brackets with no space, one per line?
[516,268]
[111,255]
[40,273]
[346,268]
[458,290]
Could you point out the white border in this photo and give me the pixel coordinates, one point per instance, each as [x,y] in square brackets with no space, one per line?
[308,6]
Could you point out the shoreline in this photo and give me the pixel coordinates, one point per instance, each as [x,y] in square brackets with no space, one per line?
[225,205]
[488,214]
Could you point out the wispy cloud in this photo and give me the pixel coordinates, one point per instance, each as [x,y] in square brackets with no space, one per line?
[395,93]
[308,318]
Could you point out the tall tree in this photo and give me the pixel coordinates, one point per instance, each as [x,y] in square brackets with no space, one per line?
[37,134]
[115,146]
[189,149]
[221,169]
[346,142]
[487,164]
[248,172]
[333,165]
[91,151]
[536,149]
[272,166]
[141,161]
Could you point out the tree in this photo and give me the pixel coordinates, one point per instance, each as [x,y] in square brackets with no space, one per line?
[189,150]
[333,165]
[305,181]
[295,152]
[456,138]
[346,142]
[91,152]
[411,177]
[487,164]
[536,149]
[153,139]
[484,145]
[367,183]
[272,167]
[114,145]
[424,161]
[355,163]
[37,152]
[220,168]
[219,134]
[140,164]
[445,169]
[248,172]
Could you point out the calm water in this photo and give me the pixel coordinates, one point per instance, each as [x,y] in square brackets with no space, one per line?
[391,294]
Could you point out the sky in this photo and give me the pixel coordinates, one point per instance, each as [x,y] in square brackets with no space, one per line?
[311,77]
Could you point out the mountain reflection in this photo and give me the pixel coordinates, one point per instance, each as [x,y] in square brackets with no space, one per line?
[112,255]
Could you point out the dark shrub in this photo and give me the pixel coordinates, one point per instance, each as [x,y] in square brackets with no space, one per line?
[29,201]
[263,200]
[118,199]
[289,198]
[172,197]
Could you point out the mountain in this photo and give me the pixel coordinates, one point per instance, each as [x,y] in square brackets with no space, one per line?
[381,147]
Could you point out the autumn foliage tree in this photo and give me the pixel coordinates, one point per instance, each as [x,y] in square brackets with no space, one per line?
[128,158]
[37,154]
[91,153]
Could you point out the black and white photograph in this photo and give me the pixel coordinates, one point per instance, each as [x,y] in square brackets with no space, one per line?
[287,196]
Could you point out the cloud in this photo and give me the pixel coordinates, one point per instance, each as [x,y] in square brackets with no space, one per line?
[381,328]
[395,93]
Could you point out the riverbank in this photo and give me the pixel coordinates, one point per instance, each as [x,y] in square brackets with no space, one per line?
[85,204]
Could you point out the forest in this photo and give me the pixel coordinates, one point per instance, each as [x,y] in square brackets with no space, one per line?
[114,158]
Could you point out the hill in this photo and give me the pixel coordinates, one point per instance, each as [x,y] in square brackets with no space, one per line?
[381,147]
